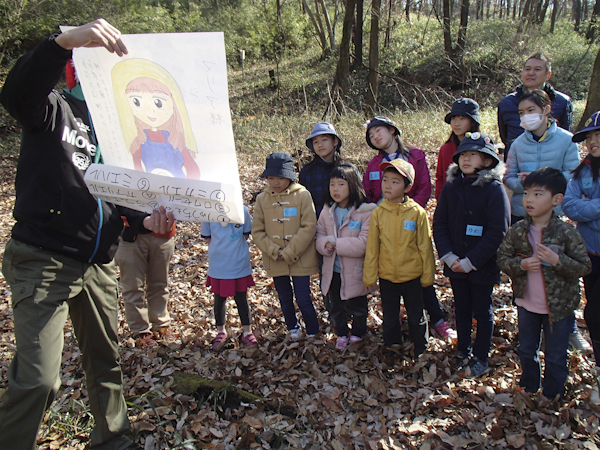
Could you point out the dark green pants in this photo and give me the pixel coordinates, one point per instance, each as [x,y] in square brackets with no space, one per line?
[47,287]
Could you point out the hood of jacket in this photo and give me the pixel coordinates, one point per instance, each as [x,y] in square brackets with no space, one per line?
[484,176]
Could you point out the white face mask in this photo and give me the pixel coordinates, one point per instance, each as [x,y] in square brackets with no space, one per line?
[532,122]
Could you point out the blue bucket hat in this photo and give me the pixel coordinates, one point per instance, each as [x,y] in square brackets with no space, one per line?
[379,121]
[478,142]
[466,107]
[279,165]
[322,128]
[592,124]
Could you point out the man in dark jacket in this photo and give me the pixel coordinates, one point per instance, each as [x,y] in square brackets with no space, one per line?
[58,261]
[535,75]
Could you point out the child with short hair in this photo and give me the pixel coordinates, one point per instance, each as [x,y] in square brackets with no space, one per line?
[326,146]
[400,253]
[284,228]
[544,257]
[342,233]
[463,118]
[229,274]
[581,204]
[469,223]
[384,135]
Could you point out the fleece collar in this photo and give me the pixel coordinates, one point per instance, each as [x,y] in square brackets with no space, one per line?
[484,176]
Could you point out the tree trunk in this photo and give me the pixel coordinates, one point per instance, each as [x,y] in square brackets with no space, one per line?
[555,6]
[318,30]
[576,14]
[373,85]
[358,35]
[447,32]
[407,10]
[330,29]
[388,29]
[462,30]
[593,100]
[343,66]
[591,31]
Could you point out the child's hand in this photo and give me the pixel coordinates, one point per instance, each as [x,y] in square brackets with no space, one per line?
[279,255]
[547,255]
[531,264]
[522,176]
[329,246]
[457,267]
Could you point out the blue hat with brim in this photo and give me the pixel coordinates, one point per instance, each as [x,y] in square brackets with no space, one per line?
[319,129]
[279,165]
[381,121]
[466,107]
[592,124]
[478,142]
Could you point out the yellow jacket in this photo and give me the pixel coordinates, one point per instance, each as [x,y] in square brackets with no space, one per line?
[399,247]
[286,221]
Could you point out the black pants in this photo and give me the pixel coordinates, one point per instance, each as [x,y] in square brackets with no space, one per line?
[342,310]
[242,305]
[592,311]
[412,293]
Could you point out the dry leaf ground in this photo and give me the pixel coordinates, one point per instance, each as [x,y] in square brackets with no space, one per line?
[318,397]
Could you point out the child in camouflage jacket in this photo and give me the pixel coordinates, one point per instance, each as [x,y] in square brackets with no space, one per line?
[545,257]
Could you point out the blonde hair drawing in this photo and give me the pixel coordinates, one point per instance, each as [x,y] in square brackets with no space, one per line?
[153,119]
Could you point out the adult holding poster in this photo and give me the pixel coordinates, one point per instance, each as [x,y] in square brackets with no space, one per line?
[59,259]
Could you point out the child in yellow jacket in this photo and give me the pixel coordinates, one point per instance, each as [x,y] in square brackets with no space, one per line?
[400,253]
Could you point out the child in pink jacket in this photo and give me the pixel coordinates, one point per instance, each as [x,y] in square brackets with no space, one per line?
[342,239]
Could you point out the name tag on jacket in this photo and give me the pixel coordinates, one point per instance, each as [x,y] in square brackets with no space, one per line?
[374,175]
[290,212]
[354,224]
[474,230]
[410,225]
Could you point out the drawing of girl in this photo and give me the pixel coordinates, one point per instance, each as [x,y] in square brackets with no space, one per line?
[154,120]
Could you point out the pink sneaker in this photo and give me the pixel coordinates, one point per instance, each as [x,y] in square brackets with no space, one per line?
[444,330]
[341,343]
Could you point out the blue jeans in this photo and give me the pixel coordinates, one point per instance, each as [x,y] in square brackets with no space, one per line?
[473,300]
[283,285]
[556,336]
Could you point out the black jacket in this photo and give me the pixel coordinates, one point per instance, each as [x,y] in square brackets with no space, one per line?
[470,220]
[54,209]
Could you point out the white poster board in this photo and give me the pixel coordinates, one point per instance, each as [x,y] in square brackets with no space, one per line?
[162,120]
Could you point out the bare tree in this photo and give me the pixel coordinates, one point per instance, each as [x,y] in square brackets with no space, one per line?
[593,100]
[358,34]
[325,33]
[373,85]
[591,31]
[343,66]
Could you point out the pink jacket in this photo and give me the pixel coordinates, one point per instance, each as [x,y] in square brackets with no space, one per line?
[350,246]
[421,190]
[444,160]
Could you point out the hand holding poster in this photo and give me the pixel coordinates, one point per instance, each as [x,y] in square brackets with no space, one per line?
[162,120]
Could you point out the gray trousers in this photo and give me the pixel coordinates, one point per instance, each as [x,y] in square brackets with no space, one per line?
[47,287]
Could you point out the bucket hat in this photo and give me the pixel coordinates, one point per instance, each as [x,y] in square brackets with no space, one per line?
[379,121]
[592,124]
[478,142]
[465,107]
[279,165]
[322,128]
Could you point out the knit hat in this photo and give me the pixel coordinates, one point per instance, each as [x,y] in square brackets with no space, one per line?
[322,128]
[465,107]
[379,121]
[404,168]
[279,165]
[592,124]
[71,75]
[478,142]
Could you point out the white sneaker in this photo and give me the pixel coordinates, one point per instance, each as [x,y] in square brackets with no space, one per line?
[296,333]
[577,342]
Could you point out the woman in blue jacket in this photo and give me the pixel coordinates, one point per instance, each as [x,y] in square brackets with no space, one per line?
[542,144]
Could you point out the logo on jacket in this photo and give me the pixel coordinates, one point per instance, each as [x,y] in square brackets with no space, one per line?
[80,160]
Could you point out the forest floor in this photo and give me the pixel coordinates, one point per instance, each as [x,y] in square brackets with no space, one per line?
[313,396]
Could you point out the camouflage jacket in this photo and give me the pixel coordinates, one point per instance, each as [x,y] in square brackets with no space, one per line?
[562,280]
